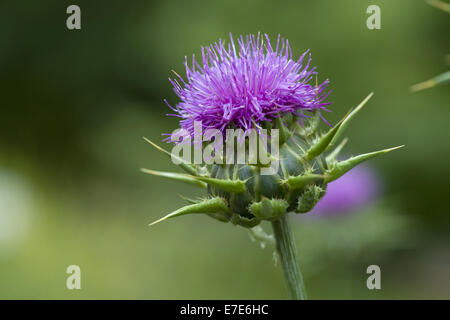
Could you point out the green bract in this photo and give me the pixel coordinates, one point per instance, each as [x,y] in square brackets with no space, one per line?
[240,194]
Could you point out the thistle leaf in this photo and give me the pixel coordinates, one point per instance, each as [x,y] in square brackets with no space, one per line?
[439,79]
[284,133]
[342,167]
[245,222]
[189,200]
[440,5]
[209,206]
[189,168]
[227,185]
[176,176]
[321,145]
[269,209]
[309,198]
[347,120]
[313,123]
[298,182]
[335,153]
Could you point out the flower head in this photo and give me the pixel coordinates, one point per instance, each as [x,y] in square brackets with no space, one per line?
[240,87]
[351,192]
[243,89]
[246,88]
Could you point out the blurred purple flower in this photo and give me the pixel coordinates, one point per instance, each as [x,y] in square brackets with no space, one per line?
[244,85]
[352,191]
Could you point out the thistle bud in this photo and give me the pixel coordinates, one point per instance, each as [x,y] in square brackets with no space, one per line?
[260,88]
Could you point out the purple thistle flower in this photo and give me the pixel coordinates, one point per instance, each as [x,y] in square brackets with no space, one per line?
[241,87]
[351,192]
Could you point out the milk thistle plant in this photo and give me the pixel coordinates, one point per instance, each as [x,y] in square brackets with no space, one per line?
[254,87]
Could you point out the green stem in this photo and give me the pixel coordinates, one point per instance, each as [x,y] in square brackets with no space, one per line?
[289,261]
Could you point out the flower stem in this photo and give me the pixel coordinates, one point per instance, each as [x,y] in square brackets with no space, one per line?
[289,261]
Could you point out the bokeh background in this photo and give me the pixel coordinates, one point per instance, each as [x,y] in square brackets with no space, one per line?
[76,104]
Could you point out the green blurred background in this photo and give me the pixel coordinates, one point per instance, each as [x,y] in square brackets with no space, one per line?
[74,108]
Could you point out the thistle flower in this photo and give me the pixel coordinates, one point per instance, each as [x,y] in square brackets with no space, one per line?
[352,191]
[260,88]
[242,87]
